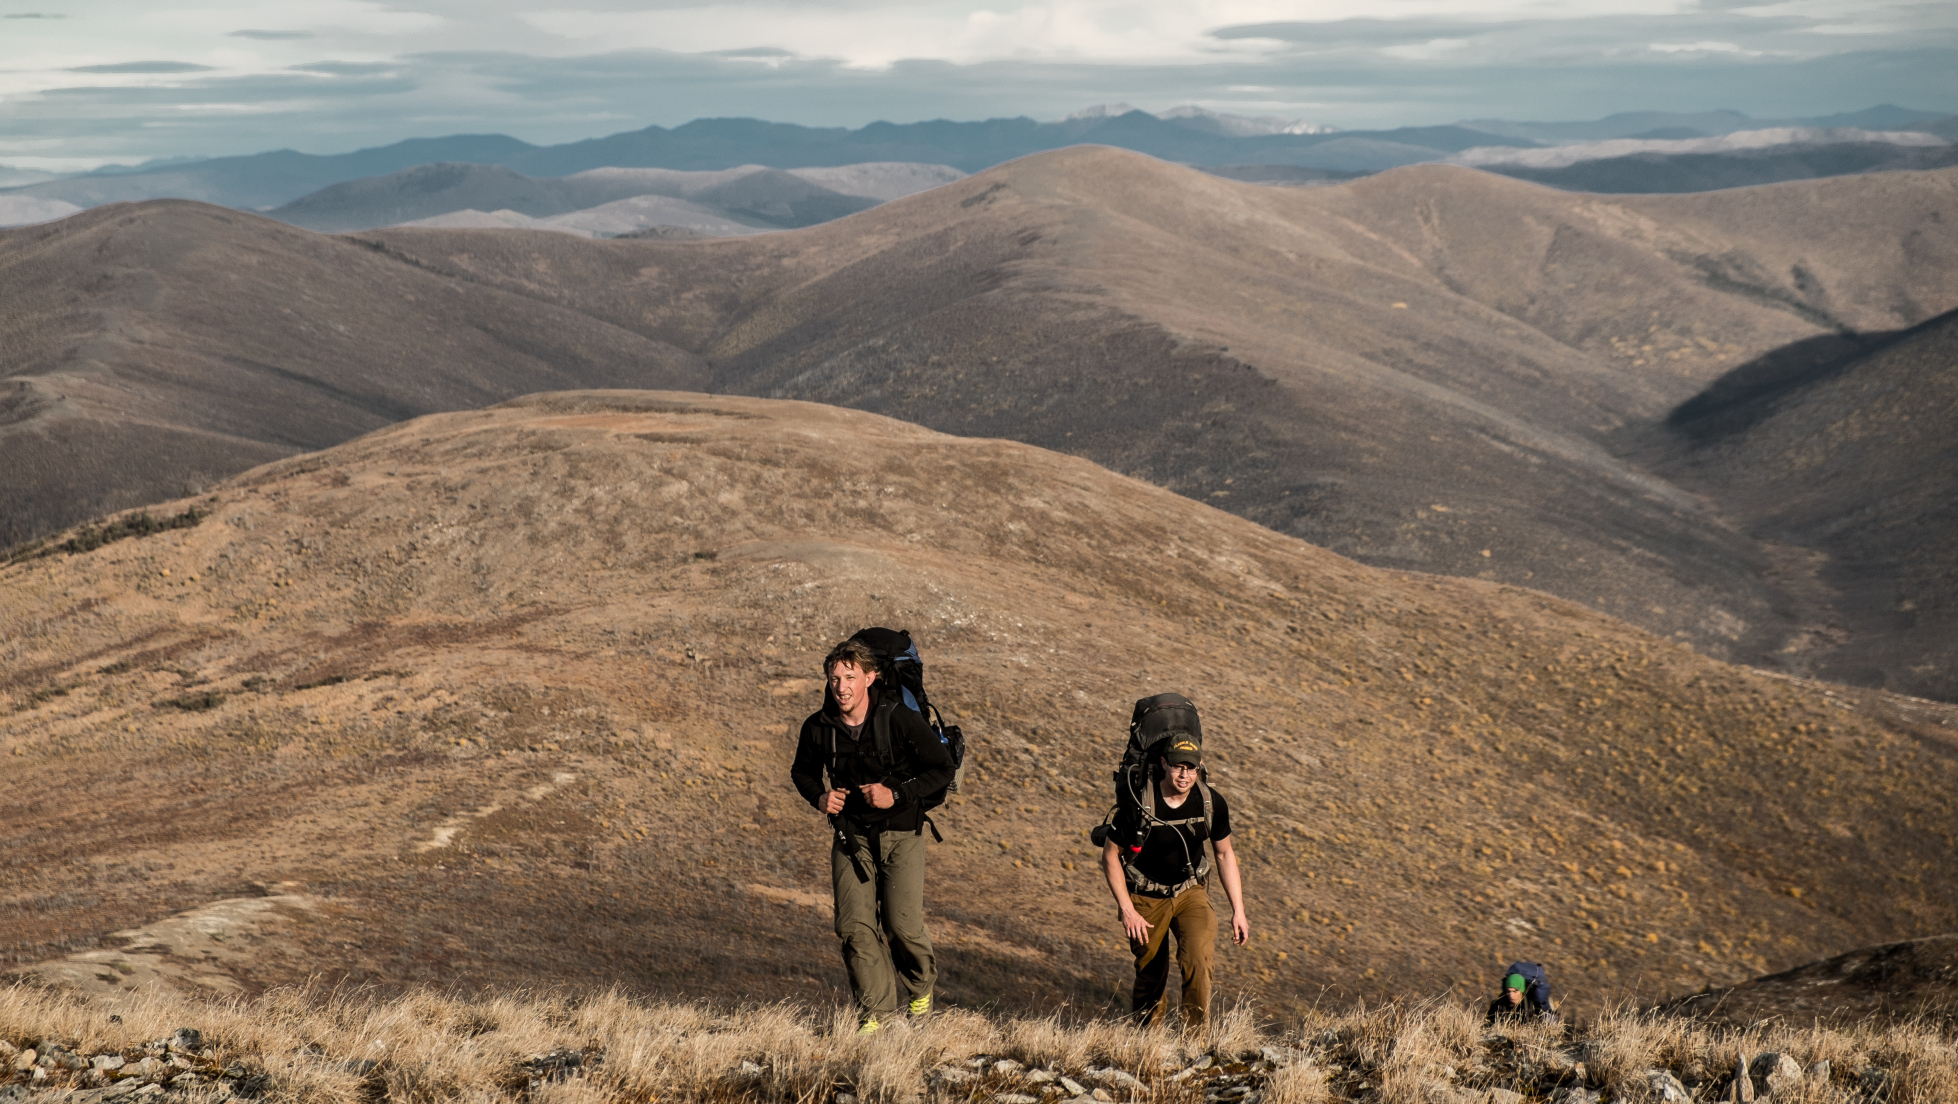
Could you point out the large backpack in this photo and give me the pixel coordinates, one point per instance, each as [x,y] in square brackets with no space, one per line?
[1154,720]
[907,671]
[1537,984]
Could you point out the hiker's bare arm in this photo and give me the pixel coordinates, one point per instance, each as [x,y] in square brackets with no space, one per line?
[1233,888]
[879,795]
[1132,922]
[833,802]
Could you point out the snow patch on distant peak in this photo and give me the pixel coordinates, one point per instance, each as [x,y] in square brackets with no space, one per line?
[1248,126]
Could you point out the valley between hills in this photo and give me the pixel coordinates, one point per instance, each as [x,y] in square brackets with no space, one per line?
[1431,369]
[506,697]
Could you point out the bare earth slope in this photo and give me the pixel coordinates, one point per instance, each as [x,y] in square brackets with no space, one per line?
[174,344]
[1856,463]
[508,697]
[1424,369]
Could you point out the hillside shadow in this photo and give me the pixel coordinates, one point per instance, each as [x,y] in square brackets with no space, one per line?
[1746,395]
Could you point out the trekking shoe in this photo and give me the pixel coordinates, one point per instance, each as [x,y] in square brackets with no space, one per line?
[869,1026]
[921,1006]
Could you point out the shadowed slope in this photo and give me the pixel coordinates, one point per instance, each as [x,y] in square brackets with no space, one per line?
[511,696]
[1855,461]
[1917,979]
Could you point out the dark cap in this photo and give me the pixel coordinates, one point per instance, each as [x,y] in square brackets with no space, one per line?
[1183,749]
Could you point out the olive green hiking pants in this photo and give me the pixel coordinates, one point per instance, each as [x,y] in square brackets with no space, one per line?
[1187,914]
[881,922]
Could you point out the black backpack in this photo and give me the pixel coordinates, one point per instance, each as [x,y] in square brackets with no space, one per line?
[905,670]
[1154,720]
[1537,983]
[1134,816]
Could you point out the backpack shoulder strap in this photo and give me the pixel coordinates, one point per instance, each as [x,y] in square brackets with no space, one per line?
[880,731]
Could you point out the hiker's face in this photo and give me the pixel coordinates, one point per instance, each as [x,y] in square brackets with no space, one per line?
[1179,777]
[850,684]
[1513,996]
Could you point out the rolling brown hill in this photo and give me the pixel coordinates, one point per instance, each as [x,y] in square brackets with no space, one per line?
[1433,368]
[508,697]
[154,348]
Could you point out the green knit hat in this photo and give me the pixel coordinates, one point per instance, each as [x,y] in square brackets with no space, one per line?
[1515,981]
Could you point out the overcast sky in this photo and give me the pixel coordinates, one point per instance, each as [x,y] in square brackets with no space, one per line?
[84,82]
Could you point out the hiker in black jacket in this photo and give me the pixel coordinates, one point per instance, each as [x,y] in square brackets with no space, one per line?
[1516,1004]
[865,760]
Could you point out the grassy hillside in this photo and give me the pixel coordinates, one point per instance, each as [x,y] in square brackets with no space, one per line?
[502,696]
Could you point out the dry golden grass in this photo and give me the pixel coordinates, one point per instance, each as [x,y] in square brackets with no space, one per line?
[349,1047]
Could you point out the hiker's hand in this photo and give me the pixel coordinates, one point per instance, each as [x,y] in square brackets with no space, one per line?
[1240,927]
[1136,927]
[879,795]
[833,801]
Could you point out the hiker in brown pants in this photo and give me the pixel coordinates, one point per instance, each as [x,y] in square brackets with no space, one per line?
[1159,886]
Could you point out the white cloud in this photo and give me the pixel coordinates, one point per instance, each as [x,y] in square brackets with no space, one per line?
[336,74]
[1703,48]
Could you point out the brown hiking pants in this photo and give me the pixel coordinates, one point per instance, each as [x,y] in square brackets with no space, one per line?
[882,921]
[1188,914]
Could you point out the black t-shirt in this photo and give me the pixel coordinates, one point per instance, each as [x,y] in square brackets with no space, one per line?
[1171,854]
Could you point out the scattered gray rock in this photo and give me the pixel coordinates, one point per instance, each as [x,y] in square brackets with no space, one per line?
[1504,1096]
[108,1061]
[1662,1087]
[846,1098]
[979,1061]
[1120,1079]
[186,1039]
[25,1059]
[1776,1071]
[1819,1071]
[1103,1095]
[1014,1098]
[1576,1094]
[1204,1062]
[185,1081]
[1007,1065]
[1281,1057]
[946,1075]
[1741,1089]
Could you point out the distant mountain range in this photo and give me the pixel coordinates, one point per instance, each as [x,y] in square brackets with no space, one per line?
[718,204]
[1252,149]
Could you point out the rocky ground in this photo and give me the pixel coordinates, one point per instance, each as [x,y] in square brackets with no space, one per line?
[310,1045]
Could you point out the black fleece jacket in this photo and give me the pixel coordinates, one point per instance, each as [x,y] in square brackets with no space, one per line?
[920,762]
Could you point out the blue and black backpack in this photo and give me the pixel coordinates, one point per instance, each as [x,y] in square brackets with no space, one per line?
[1537,990]
[907,671]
